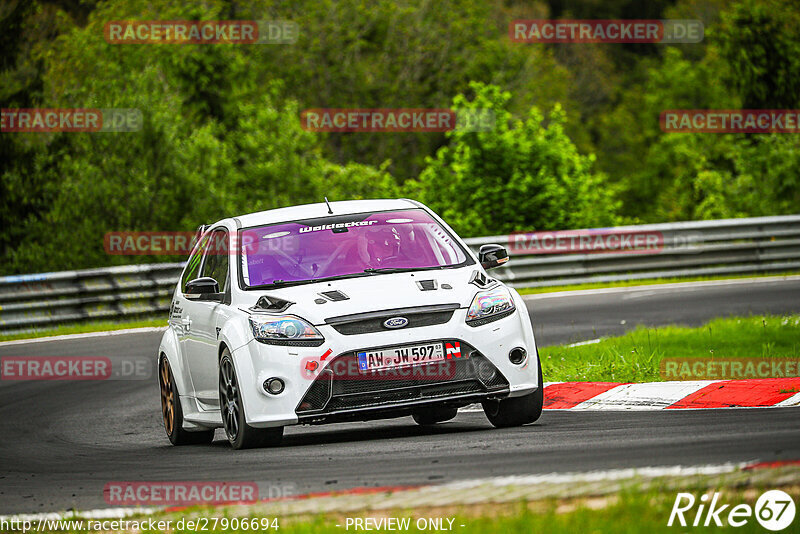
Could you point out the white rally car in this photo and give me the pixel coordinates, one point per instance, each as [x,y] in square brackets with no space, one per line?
[347,311]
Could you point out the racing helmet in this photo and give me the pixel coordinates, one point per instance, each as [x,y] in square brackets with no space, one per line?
[377,244]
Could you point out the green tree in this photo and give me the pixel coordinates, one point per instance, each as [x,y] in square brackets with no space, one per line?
[520,175]
[761,43]
[207,150]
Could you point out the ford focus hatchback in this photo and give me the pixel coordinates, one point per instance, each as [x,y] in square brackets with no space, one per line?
[341,311]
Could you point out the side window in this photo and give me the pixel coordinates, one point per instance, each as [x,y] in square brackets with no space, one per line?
[216,260]
[192,269]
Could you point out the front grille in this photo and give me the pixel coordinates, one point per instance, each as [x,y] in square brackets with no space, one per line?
[365,323]
[341,387]
[401,395]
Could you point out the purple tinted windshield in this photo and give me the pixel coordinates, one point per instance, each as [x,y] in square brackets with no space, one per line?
[345,244]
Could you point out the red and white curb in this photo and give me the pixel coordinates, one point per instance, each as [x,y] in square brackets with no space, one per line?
[695,394]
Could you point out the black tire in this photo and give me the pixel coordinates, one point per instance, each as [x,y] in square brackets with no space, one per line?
[240,435]
[517,411]
[431,416]
[172,413]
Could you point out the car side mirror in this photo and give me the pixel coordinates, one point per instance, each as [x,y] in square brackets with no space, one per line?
[492,256]
[205,288]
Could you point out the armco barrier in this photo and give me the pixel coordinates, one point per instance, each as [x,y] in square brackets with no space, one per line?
[39,301]
[728,246]
[698,248]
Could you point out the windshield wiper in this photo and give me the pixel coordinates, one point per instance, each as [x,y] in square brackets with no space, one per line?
[281,283]
[284,283]
[383,270]
[365,272]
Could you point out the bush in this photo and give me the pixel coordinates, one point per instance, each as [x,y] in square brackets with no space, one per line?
[520,175]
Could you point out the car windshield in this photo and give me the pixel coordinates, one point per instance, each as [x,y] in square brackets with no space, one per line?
[346,245]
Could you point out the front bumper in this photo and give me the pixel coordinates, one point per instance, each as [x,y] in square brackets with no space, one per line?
[322,395]
[342,392]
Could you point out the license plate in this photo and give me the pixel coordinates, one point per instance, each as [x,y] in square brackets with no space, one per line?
[393,357]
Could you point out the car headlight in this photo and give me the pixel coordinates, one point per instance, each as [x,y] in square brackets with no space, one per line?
[285,330]
[490,306]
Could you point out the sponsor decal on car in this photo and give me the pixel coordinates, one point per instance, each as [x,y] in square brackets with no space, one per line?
[306,229]
[453,350]
[395,322]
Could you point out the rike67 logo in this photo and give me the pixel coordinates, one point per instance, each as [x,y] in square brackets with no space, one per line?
[774,510]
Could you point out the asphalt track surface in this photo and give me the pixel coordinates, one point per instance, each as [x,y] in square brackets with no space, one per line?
[61,442]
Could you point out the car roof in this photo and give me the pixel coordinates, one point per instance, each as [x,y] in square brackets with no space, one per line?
[320,209]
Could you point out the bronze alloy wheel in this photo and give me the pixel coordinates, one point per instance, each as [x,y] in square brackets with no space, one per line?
[167,396]
[171,412]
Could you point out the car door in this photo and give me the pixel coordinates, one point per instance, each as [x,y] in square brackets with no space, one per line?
[179,315]
[202,318]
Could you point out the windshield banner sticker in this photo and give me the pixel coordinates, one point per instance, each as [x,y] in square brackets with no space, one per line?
[336,225]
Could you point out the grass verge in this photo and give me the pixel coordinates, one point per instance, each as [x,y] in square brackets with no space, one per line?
[104,326]
[646,282]
[636,356]
[627,510]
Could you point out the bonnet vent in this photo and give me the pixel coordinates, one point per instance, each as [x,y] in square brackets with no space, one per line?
[427,285]
[334,295]
[271,304]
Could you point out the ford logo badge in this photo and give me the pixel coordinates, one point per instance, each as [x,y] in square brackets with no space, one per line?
[395,322]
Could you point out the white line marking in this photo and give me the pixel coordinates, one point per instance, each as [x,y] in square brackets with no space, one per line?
[514,480]
[84,335]
[639,294]
[581,343]
[646,396]
[596,476]
[477,408]
[794,400]
[659,287]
